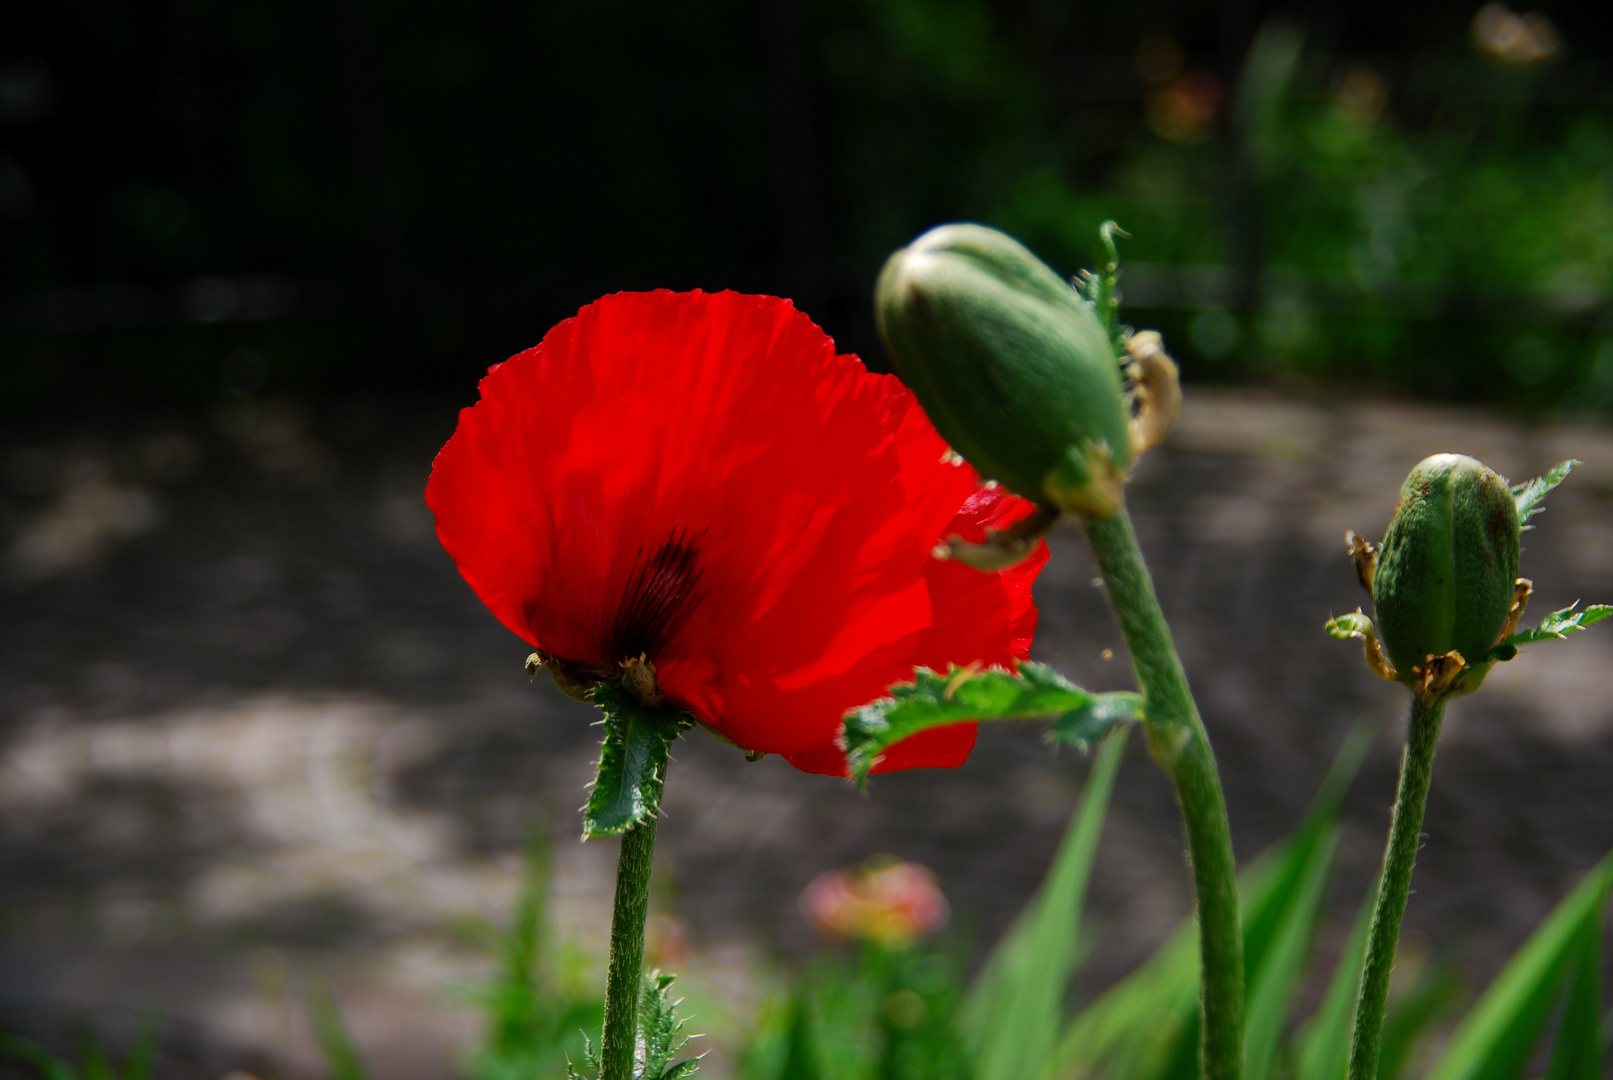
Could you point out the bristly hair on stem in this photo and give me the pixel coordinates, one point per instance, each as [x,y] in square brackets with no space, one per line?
[626,800]
[1101,286]
[659,1038]
[1181,746]
[1405,832]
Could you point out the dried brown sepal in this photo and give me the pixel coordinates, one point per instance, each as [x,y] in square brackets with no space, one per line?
[1003,547]
[754,756]
[1437,675]
[1521,589]
[574,680]
[1087,482]
[638,679]
[1156,390]
[1377,659]
[1359,627]
[1364,553]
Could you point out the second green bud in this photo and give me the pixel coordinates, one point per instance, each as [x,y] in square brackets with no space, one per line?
[1011,364]
[1445,575]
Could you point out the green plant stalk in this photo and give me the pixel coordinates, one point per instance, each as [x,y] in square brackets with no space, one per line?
[1405,834]
[1182,747]
[626,968]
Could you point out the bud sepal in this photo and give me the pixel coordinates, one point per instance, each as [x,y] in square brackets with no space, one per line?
[1358,625]
[1443,582]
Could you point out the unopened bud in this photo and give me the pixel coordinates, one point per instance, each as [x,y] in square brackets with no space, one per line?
[1446,577]
[1011,364]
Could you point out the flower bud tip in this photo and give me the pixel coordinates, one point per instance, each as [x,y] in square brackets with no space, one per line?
[1012,365]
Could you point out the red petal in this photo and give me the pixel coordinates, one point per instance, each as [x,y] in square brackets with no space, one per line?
[807,493]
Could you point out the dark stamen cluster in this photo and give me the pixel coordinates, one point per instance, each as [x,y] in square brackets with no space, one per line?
[663,585]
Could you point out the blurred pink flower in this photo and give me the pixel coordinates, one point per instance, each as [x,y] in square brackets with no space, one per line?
[666,942]
[888,903]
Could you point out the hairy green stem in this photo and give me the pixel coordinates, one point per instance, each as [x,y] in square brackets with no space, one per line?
[1182,747]
[625,973]
[1405,835]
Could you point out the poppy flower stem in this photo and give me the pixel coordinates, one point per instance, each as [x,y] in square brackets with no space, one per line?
[1178,741]
[627,949]
[1405,832]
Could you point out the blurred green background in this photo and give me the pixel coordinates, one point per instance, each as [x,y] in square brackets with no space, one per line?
[204,199]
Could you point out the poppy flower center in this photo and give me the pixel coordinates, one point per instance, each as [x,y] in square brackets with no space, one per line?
[664,584]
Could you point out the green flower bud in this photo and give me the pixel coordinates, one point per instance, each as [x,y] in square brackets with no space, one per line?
[1446,576]
[1011,364]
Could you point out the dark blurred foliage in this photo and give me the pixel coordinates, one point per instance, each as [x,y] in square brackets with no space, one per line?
[202,198]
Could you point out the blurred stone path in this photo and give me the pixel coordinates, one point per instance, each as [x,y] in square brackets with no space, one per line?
[257,732]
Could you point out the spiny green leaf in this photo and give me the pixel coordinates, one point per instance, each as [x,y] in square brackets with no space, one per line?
[632,763]
[1496,1036]
[963,694]
[590,1061]
[1529,496]
[660,1032]
[1559,624]
[1085,725]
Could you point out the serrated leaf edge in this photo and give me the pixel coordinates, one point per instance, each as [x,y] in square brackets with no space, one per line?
[1554,627]
[1528,496]
[862,727]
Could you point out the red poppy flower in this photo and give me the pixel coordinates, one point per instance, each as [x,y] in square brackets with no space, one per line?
[698,479]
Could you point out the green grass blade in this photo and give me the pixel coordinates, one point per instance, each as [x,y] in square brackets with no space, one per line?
[801,1054]
[142,1055]
[330,1031]
[1273,984]
[1578,1052]
[93,1062]
[1324,1042]
[51,1067]
[1410,1016]
[1012,1019]
[1270,884]
[1132,1028]
[1494,1040]
[1145,1027]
